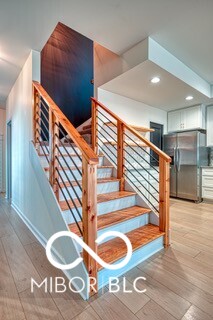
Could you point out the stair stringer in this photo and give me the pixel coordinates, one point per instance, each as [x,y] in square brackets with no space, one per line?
[153,216]
[64,249]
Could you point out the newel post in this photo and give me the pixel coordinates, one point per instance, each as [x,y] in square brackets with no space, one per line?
[120,154]
[89,214]
[53,152]
[164,199]
[94,127]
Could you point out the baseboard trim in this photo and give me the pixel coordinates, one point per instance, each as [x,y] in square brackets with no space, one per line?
[43,241]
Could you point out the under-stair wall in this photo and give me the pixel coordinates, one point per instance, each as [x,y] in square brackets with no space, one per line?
[32,196]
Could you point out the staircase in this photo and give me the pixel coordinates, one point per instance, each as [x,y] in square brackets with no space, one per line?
[98,185]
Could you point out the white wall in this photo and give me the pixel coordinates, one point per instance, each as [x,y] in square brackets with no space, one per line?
[107,66]
[132,111]
[32,196]
[3,132]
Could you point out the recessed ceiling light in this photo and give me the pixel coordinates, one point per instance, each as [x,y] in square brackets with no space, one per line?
[189,98]
[155,80]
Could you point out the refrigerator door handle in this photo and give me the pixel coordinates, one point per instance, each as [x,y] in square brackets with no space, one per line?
[175,159]
[178,161]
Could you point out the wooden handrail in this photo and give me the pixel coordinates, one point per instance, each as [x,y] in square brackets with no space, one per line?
[138,135]
[164,162]
[87,152]
[49,140]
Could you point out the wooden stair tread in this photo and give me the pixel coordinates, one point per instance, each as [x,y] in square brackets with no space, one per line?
[61,144]
[70,155]
[112,218]
[115,249]
[89,126]
[86,131]
[137,128]
[100,198]
[130,143]
[80,168]
[101,180]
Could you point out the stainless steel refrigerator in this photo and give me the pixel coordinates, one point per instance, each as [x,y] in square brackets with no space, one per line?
[188,152]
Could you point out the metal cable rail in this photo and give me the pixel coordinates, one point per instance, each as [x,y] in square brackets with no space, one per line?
[131,148]
[74,204]
[142,166]
[46,156]
[45,127]
[131,182]
[70,209]
[75,165]
[107,118]
[132,164]
[64,171]
[107,133]
[141,147]
[74,177]
[107,154]
[70,144]
[44,115]
[107,125]
[43,141]
[100,131]
[139,174]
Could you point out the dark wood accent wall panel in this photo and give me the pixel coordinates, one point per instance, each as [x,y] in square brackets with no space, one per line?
[67,71]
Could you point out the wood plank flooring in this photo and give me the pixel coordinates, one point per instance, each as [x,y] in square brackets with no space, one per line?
[179,280]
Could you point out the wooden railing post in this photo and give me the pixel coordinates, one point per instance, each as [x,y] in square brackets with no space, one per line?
[120,154]
[94,127]
[36,119]
[164,193]
[53,151]
[89,214]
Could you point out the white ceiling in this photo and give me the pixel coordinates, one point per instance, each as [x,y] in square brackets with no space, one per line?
[182,27]
[168,94]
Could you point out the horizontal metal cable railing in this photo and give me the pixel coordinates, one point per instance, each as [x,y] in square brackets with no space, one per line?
[130,153]
[72,167]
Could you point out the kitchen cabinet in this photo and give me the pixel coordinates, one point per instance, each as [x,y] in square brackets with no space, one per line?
[186,119]
[207,183]
[209,127]
[174,121]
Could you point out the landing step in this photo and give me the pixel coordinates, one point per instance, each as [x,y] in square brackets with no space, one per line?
[115,249]
[100,198]
[112,218]
[101,180]
[128,143]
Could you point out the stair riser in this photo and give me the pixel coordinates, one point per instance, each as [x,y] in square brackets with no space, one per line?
[101,188]
[138,256]
[101,173]
[124,227]
[69,162]
[103,207]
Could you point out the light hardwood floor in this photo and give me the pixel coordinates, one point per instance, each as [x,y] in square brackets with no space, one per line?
[179,280]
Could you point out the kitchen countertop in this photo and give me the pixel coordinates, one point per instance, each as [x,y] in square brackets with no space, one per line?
[209,167]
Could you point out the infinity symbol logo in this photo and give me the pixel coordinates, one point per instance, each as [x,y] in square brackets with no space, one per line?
[89,250]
